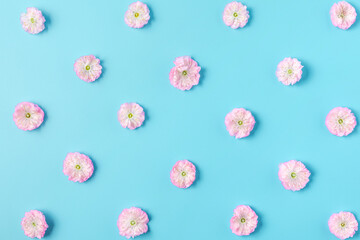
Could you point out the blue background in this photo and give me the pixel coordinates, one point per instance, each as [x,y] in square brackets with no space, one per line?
[132,167]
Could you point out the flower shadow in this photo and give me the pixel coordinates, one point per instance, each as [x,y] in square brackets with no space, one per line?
[47,21]
[50,222]
[306,73]
[94,172]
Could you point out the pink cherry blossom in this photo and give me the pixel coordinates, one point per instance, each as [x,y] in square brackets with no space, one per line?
[88,68]
[183,174]
[343,225]
[239,122]
[34,224]
[78,167]
[28,116]
[289,71]
[343,15]
[131,115]
[340,121]
[244,221]
[32,21]
[293,175]
[137,15]
[132,222]
[235,15]
[185,74]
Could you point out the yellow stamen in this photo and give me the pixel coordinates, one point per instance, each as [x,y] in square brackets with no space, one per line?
[130,115]
[183,174]
[77,167]
[342,224]
[32,20]
[240,123]
[290,71]
[242,220]
[34,224]
[293,175]
[132,223]
[340,121]
[235,14]
[136,15]
[184,73]
[28,115]
[87,67]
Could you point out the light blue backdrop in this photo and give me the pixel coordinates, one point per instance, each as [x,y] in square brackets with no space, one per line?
[132,167]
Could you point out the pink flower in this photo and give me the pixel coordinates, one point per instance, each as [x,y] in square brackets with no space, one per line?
[32,21]
[244,220]
[34,224]
[183,174]
[343,15]
[289,71]
[235,15]
[78,167]
[132,222]
[88,68]
[137,15]
[185,74]
[343,225]
[293,175]
[239,122]
[28,116]
[340,121]
[131,115]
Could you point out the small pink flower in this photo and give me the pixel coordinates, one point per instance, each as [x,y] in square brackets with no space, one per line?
[131,115]
[183,174]
[88,68]
[239,122]
[343,15]
[132,222]
[137,15]
[244,220]
[34,224]
[28,116]
[343,225]
[32,21]
[293,175]
[289,71]
[235,15]
[78,167]
[340,121]
[185,74]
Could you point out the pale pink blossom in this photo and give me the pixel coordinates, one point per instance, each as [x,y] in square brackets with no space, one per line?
[28,116]
[88,68]
[293,175]
[78,167]
[131,115]
[183,174]
[34,224]
[244,220]
[137,15]
[343,15]
[343,225]
[132,222]
[235,15]
[185,74]
[340,121]
[239,122]
[289,71]
[32,21]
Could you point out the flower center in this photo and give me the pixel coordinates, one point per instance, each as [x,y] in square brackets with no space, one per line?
[183,174]
[136,15]
[32,20]
[242,220]
[293,175]
[130,115]
[77,166]
[132,223]
[87,67]
[290,71]
[184,73]
[28,115]
[342,224]
[34,224]
[240,123]
[340,121]
[235,14]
